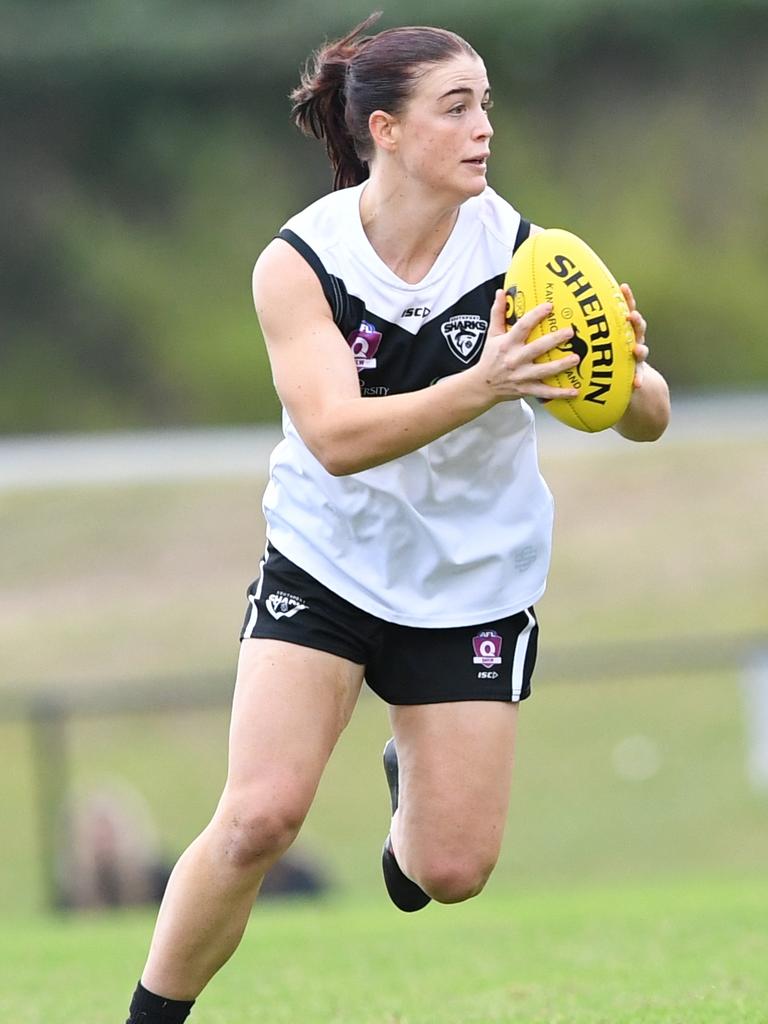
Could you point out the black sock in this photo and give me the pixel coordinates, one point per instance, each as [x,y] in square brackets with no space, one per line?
[147,1008]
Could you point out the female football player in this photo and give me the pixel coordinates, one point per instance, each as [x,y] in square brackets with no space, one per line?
[408,525]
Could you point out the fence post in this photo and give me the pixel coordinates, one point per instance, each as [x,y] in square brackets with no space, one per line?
[48,719]
[755,689]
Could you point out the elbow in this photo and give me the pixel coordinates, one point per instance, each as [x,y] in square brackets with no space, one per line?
[650,434]
[648,414]
[658,422]
[652,428]
[658,430]
[646,430]
[338,467]
[335,460]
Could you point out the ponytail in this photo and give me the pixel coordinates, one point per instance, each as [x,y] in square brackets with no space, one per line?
[351,78]
[320,104]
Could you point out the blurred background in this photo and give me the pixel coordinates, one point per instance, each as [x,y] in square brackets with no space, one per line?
[147,159]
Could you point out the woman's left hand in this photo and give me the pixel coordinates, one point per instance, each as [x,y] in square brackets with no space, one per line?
[640,348]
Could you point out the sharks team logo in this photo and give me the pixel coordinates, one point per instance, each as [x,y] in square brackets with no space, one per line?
[281,605]
[465,335]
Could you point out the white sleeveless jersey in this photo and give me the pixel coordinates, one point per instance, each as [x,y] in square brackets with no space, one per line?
[458,532]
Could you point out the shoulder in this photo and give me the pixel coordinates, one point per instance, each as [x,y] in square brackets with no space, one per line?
[321,223]
[498,218]
[296,254]
[282,275]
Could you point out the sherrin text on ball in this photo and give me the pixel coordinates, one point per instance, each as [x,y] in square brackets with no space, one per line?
[556,266]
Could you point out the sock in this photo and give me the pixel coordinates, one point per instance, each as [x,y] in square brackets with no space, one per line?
[405,894]
[147,1008]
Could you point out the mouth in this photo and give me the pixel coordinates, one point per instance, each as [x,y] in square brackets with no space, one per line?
[478,161]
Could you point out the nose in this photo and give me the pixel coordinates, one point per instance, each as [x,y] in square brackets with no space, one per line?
[484,128]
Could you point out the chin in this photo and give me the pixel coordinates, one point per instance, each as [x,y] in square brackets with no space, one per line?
[460,191]
[476,188]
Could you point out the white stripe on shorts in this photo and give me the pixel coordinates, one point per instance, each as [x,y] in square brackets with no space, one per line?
[521,651]
[253,598]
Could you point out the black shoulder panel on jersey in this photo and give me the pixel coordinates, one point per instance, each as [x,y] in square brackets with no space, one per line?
[522,233]
[395,361]
[333,287]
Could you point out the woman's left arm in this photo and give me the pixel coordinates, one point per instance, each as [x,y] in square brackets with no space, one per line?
[647,416]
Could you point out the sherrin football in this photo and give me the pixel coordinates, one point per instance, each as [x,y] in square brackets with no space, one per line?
[558,267]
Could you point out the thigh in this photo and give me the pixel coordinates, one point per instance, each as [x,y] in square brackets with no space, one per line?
[456,764]
[491,661]
[291,703]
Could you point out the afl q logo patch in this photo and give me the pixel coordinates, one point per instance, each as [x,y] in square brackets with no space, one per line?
[487,648]
[364,343]
[464,334]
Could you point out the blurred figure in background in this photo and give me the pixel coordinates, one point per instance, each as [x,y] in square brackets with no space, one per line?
[109,854]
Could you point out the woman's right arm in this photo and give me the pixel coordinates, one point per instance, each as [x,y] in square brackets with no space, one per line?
[316,378]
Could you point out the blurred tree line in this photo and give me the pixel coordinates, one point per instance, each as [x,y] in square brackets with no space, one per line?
[148,158]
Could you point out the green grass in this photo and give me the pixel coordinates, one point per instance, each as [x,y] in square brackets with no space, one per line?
[129,583]
[628,891]
[576,816]
[689,953]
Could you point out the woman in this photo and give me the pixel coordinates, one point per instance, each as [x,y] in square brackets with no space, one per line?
[408,524]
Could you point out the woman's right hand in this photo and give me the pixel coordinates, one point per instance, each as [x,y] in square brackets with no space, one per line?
[507,366]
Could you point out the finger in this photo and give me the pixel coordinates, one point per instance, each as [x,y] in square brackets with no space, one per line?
[539,346]
[639,326]
[636,317]
[555,366]
[498,323]
[548,392]
[640,351]
[538,373]
[628,295]
[520,330]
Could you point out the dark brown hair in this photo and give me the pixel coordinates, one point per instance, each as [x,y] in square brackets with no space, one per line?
[346,80]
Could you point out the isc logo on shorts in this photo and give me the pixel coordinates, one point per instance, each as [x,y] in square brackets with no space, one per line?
[281,605]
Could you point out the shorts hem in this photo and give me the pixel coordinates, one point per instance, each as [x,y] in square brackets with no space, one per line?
[336,650]
[453,699]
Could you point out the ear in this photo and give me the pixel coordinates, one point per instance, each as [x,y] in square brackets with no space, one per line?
[384,130]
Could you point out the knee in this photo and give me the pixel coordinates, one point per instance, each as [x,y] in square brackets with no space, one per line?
[453,880]
[256,836]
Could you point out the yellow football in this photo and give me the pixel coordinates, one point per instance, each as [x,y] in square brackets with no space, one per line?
[558,267]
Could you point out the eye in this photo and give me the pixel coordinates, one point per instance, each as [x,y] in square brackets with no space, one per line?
[458,109]
[487,104]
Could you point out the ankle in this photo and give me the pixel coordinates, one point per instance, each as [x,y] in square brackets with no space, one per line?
[148,1008]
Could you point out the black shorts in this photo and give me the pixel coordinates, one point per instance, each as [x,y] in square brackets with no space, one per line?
[403,664]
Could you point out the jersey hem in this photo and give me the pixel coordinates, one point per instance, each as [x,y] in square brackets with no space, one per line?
[470,618]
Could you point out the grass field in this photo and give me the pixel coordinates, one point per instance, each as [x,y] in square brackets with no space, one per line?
[632,887]
[688,953]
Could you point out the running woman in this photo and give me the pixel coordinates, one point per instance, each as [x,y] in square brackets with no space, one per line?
[408,525]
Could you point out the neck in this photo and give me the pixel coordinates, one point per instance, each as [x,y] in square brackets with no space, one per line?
[407,231]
